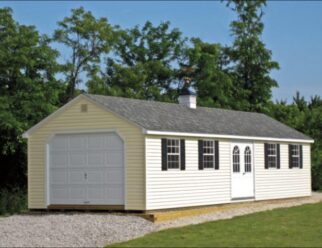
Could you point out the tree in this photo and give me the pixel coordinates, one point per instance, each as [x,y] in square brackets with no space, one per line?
[250,61]
[28,91]
[88,39]
[144,64]
[306,117]
[212,84]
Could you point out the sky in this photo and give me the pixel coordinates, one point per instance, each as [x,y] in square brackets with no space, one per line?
[293,30]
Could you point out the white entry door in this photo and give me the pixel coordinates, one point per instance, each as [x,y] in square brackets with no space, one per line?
[86,169]
[242,168]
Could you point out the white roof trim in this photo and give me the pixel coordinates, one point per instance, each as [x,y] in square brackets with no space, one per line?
[51,116]
[152,132]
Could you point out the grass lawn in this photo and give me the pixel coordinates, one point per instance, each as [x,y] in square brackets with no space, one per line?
[290,227]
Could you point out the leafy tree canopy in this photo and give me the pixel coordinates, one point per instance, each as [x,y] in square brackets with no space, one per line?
[250,62]
[29,90]
[143,65]
[88,39]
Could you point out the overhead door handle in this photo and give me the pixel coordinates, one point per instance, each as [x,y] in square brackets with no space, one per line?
[85,175]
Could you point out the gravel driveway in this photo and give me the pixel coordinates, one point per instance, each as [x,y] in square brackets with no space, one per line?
[70,229]
[99,229]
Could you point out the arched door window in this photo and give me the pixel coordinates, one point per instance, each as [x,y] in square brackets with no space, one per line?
[236,159]
[248,159]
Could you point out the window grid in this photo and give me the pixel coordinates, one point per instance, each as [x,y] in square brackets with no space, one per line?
[248,160]
[173,153]
[272,155]
[295,154]
[236,160]
[208,154]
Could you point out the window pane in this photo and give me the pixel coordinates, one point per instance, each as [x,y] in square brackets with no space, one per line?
[295,155]
[272,155]
[173,153]
[208,154]
[236,162]
[173,161]
[248,160]
[208,161]
[271,149]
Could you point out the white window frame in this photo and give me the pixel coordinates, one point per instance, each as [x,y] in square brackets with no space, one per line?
[269,148]
[298,155]
[205,154]
[174,153]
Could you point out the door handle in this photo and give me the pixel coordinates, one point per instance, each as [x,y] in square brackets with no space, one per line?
[85,175]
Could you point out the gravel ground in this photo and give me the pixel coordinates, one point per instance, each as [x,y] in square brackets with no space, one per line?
[70,229]
[99,229]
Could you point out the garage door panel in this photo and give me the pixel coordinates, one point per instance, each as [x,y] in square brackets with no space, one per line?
[59,159]
[115,176]
[96,176]
[58,176]
[77,159]
[115,194]
[77,142]
[96,142]
[86,169]
[77,176]
[96,158]
[95,194]
[114,158]
[59,193]
[60,143]
[77,192]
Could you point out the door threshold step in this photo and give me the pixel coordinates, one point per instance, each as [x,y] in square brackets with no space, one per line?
[243,198]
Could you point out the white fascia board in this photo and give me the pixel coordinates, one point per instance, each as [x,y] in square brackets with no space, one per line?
[49,117]
[166,133]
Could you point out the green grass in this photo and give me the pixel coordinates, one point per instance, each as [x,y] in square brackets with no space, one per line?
[290,227]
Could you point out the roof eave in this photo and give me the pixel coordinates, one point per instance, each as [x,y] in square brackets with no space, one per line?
[224,136]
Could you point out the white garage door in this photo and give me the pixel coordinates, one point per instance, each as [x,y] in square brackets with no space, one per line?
[86,169]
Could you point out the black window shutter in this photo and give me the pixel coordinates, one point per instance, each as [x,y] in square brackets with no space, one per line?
[290,165]
[301,156]
[200,148]
[164,154]
[278,157]
[216,155]
[182,154]
[266,155]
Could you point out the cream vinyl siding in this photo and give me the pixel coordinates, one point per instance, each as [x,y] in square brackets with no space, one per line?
[190,187]
[275,183]
[73,120]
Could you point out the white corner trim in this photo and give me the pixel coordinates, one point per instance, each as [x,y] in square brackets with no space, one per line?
[166,133]
[51,116]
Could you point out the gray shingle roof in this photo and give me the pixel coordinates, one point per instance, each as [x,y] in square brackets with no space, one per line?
[160,116]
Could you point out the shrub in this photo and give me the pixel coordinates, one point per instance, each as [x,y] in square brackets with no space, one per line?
[12,201]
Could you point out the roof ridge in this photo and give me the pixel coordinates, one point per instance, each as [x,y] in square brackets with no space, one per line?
[172,103]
